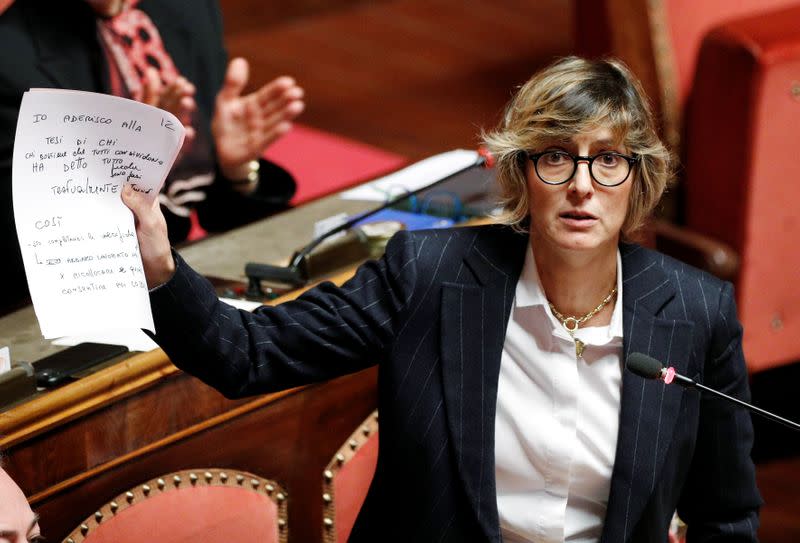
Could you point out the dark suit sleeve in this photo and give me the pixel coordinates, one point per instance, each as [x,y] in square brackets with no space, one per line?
[327,332]
[721,500]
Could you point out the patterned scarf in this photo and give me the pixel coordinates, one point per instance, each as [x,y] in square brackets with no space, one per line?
[133,44]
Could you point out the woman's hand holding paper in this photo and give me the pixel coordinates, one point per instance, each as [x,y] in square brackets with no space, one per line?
[151,230]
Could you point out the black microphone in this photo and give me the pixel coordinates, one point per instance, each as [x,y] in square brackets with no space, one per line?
[296,273]
[650,368]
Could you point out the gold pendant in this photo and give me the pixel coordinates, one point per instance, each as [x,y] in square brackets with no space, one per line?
[579,345]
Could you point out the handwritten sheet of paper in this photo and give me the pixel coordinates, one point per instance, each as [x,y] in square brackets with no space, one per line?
[73,153]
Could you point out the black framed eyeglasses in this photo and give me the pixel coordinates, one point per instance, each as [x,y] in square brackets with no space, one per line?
[608,168]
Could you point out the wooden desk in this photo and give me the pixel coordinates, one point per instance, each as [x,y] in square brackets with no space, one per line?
[74,448]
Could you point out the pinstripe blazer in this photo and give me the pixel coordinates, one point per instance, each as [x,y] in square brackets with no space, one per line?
[433,313]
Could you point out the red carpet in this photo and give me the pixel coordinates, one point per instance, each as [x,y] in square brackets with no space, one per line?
[323,163]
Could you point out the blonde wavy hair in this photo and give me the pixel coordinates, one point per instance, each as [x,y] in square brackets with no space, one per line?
[571,96]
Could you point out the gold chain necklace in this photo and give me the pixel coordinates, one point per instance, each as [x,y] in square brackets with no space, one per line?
[571,324]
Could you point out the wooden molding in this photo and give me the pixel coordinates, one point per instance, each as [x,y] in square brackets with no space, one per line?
[59,406]
[173,438]
[640,37]
[667,72]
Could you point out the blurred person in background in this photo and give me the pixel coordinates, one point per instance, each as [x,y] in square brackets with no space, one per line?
[169,54]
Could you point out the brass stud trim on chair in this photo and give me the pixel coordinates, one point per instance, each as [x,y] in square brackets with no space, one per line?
[98,516]
[795,90]
[193,478]
[146,489]
[208,476]
[280,497]
[328,522]
[281,523]
[270,488]
[114,506]
[327,498]
[129,496]
[240,478]
[84,529]
[223,477]
[328,474]
[70,540]
[340,458]
[161,483]
[365,430]
[177,480]
[353,444]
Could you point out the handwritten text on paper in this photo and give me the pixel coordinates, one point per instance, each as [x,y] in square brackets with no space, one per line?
[73,153]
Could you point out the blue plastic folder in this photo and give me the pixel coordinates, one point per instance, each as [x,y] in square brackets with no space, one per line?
[412,221]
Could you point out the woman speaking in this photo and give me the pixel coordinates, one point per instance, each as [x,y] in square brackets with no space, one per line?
[506,412]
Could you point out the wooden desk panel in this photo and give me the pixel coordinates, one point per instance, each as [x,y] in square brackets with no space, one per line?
[76,447]
[70,470]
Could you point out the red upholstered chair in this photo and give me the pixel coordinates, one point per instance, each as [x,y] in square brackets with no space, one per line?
[346,480]
[191,505]
[743,172]
[725,78]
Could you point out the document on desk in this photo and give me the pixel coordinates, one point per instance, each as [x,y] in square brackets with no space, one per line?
[5,360]
[413,177]
[73,153]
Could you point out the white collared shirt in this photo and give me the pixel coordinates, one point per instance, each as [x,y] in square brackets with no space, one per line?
[557,420]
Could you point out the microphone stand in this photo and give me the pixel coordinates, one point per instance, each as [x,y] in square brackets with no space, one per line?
[649,368]
[296,273]
[689,383]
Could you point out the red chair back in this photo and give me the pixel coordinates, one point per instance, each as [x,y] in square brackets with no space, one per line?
[189,506]
[742,171]
[346,481]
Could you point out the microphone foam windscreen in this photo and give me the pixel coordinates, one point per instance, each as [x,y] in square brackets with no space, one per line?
[644,366]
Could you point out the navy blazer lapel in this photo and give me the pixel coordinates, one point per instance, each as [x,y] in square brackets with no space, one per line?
[648,407]
[474,320]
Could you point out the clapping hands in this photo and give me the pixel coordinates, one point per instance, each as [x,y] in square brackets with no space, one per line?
[243,126]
